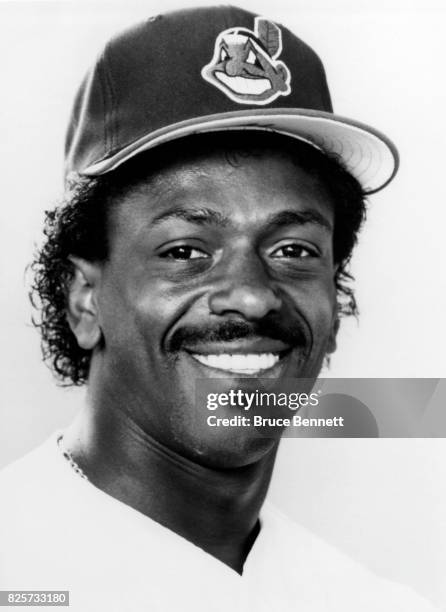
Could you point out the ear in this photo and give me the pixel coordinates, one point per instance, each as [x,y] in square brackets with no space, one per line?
[336,323]
[331,347]
[82,312]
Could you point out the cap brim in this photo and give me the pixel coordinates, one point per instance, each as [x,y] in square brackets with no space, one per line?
[366,153]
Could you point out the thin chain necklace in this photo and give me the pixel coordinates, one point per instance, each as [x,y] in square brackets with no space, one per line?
[69,457]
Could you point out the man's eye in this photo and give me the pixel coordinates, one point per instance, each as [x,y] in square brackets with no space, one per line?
[184,253]
[295,251]
[251,59]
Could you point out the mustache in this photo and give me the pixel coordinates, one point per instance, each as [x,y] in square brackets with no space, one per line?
[230,330]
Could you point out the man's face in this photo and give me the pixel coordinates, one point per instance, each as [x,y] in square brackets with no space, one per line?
[216,270]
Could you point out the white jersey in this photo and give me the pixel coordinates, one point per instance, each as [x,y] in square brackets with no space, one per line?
[60,532]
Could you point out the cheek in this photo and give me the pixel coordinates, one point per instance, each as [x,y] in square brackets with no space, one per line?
[316,302]
[138,313]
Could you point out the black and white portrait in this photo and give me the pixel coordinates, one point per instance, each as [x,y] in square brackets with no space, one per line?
[199,202]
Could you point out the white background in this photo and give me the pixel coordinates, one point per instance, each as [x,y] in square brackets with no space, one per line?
[381,501]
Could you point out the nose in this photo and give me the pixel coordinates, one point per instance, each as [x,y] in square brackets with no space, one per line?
[232,67]
[244,289]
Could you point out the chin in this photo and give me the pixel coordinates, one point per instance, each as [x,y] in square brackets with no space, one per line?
[226,447]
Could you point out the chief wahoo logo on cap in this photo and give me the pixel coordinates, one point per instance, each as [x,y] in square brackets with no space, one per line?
[245,66]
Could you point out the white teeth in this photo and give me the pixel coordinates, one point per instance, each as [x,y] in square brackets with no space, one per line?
[241,364]
[242,85]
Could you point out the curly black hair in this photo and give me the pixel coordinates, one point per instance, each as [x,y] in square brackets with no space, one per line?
[78,226]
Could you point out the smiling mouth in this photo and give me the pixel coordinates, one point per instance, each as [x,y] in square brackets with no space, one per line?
[242,85]
[237,363]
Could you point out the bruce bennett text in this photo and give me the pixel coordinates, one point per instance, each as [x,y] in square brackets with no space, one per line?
[259,421]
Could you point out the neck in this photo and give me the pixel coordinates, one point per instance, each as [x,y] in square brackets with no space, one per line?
[216,509]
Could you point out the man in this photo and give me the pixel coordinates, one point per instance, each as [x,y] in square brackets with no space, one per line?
[213,201]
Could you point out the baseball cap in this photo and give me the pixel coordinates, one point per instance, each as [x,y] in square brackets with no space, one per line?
[211,69]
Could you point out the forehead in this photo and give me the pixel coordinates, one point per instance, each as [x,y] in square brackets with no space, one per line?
[242,184]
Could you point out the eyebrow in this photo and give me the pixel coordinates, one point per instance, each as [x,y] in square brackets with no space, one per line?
[302,217]
[207,216]
[199,216]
